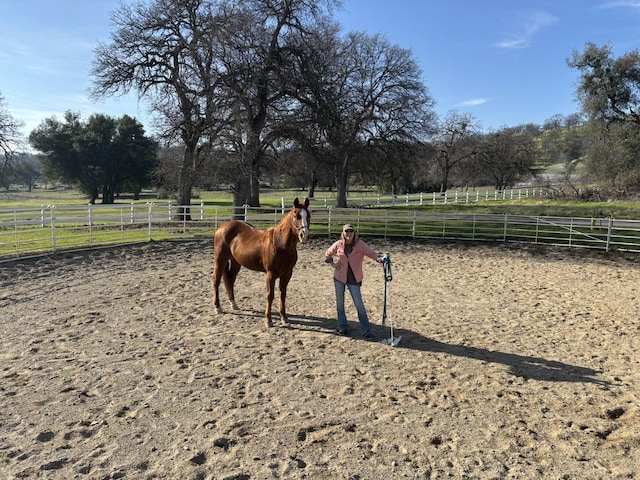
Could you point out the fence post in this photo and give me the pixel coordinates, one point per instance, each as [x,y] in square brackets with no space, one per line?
[473,228]
[609,228]
[201,210]
[570,231]
[184,217]
[53,228]
[133,213]
[506,226]
[149,216]
[386,222]
[413,228]
[42,215]
[246,212]
[329,221]
[90,216]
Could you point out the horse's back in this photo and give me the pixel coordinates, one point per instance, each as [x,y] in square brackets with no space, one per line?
[230,230]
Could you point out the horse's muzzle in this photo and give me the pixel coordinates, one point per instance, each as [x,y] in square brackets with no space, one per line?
[304,235]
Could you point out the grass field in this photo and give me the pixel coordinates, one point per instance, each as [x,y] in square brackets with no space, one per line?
[537,206]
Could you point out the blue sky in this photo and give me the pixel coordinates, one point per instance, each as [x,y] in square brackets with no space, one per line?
[504,61]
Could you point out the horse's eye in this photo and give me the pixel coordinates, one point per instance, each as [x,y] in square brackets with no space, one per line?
[298,216]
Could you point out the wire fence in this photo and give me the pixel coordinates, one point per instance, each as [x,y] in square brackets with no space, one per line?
[32,231]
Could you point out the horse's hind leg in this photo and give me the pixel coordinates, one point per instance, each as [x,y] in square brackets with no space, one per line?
[229,276]
[219,267]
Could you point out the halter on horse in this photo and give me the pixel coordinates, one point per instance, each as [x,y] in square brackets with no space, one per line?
[273,251]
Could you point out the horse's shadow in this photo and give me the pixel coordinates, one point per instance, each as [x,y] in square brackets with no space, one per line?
[524,366]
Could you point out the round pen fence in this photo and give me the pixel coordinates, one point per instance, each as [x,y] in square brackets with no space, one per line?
[31,231]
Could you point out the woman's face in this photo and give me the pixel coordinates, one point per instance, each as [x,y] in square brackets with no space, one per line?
[348,235]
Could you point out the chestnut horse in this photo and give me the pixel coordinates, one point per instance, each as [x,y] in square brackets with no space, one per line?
[237,244]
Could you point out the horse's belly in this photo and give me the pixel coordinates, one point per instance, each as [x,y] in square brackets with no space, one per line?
[250,260]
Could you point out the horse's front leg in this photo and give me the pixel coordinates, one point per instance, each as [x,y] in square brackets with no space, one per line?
[284,281]
[271,285]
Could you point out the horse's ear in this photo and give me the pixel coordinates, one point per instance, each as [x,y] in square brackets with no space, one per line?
[306,202]
[296,203]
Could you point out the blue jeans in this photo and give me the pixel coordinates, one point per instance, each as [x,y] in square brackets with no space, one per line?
[354,290]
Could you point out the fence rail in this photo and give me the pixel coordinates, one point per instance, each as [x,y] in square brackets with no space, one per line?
[438,198]
[31,231]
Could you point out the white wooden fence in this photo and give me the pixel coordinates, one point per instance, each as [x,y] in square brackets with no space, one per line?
[30,231]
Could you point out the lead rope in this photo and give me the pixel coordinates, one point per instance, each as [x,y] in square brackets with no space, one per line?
[388,276]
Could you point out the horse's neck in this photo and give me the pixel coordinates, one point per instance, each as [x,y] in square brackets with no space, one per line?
[286,234]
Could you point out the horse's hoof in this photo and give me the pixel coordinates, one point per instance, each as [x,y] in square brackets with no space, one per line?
[234,305]
[268,323]
[218,311]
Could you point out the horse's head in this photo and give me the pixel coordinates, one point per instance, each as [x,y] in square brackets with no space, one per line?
[300,219]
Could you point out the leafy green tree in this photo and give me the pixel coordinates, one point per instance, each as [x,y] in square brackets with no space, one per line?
[100,156]
[137,155]
[609,92]
[608,88]
[613,159]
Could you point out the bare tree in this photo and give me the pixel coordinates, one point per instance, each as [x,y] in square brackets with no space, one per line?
[509,155]
[360,90]
[257,36]
[456,143]
[166,52]
[10,137]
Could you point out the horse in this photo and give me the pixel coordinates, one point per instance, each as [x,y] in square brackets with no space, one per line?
[237,244]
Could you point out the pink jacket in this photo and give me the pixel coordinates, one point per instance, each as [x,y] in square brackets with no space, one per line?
[355,258]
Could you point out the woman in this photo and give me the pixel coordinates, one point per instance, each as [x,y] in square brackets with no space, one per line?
[349,252]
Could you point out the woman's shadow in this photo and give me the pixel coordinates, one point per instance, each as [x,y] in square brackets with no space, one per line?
[524,366]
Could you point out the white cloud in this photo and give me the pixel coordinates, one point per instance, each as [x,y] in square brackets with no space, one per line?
[473,102]
[621,4]
[530,26]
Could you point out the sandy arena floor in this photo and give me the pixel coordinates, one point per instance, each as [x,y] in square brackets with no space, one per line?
[514,363]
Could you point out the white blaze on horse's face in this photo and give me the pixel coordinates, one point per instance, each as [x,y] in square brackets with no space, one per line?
[303,232]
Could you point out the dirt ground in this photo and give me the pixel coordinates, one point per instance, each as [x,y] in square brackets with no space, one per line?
[513,363]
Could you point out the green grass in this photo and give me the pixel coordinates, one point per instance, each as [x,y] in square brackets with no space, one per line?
[537,207]
[395,221]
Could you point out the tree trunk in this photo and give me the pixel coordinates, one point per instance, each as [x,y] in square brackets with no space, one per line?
[254,189]
[240,198]
[311,192]
[341,185]
[185,185]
